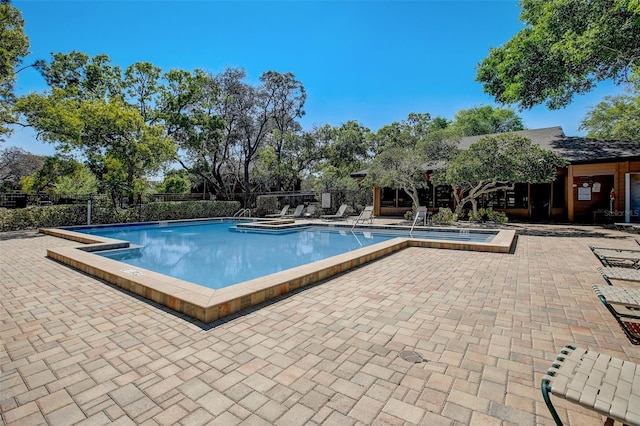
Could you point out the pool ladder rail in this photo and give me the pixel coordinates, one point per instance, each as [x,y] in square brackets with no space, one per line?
[242,213]
[422,214]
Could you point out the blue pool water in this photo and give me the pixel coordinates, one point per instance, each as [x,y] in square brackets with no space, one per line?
[215,255]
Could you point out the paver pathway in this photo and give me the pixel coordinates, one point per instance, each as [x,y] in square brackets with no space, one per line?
[79,351]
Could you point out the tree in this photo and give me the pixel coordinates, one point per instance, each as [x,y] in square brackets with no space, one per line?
[344,150]
[16,163]
[616,117]
[406,150]
[566,48]
[288,98]
[63,175]
[108,116]
[497,163]
[485,120]
[14,46]
[175,182]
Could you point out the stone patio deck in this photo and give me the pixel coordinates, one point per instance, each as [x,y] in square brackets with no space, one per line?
[76,350]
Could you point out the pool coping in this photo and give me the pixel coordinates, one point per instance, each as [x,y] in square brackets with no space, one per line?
[209,305]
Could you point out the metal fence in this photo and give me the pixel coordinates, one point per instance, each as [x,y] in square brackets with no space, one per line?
[356,199]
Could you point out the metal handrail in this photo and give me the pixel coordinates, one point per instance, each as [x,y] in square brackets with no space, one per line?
[242,212]
[420,214]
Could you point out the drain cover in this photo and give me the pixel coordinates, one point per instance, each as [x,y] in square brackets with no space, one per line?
[411,356]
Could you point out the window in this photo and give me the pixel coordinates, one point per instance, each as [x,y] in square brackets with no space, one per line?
[518,198]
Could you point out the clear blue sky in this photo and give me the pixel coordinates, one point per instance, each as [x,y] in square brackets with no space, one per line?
[370,61]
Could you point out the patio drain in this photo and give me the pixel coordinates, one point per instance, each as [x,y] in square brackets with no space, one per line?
[411,356]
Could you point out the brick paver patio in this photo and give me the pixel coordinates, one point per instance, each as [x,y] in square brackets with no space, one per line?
[79,351]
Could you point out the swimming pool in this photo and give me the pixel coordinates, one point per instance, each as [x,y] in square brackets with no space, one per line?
[217,254]
[209,304]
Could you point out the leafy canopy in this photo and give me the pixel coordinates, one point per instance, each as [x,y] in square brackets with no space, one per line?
[566,48]
[406,150]
[486,120]
[616,117]
[14,46]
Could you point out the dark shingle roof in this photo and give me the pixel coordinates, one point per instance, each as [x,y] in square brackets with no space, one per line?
[573,149]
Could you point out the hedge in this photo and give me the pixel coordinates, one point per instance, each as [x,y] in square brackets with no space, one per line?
[76,214]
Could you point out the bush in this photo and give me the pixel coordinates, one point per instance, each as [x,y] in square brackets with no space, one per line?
[497,217]
[76,214]
[488,214]
[266,204]
[444,215]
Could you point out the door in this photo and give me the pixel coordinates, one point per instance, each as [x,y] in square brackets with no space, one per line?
[540,201]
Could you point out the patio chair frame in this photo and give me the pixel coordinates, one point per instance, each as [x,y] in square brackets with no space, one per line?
[596,381]
[624,305]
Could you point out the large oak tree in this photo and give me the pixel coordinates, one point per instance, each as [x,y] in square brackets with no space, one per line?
[14,46]
[565,48]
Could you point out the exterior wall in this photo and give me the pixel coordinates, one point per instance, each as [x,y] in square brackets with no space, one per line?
[586,175]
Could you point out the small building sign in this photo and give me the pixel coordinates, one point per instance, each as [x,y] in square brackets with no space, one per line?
[584,193]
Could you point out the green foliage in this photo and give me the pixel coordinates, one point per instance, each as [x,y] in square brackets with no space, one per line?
[406,150]
[14,46]
[70,215]
[61,175]
[488,214]
[495,163]
[108,116]
[80,182]
[409,215]
[486,120]
[616,117]
[444,216]
[15,164]
[266,204]
[174,184]
[566,47]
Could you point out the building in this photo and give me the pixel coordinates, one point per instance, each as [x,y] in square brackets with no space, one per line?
[601,184]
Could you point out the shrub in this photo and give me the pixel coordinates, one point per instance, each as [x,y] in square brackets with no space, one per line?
[76,214]
[488,214]
[266,204]
[444,215]
[497,217]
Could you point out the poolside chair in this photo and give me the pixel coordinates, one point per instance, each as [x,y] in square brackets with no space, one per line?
[283,212]
[623,258]
[422,215]
[340,214]
[622,274]
[311,211]
[297,212]
[627,227]
[596,381]
[624,305]
[366,215]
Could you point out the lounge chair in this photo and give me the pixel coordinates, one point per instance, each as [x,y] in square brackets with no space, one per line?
[311,211]
[624,305]
[283,212]
[366,215]
[297,212]
[622,258]
[627,227]
[422,215]
[596,381]
[340,214]
[622,274]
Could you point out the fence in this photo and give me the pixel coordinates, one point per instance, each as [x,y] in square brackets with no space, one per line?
[16,200]
[356,199]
